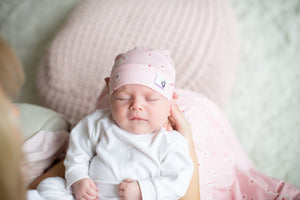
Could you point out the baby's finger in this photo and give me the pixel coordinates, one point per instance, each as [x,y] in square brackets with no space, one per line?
[92,193]
[122,185]
[121,193]
[87,196]
[128,180]
[93,185]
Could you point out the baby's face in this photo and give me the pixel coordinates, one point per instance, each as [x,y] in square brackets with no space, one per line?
[139,109]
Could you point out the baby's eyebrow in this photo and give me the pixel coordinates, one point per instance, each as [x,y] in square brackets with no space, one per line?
[120,90]
[122,93]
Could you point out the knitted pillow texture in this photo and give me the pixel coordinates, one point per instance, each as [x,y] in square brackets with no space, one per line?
[200,35]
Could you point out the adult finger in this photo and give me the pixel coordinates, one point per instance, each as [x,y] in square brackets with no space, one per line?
[170,126]
[167,125]
[175,95]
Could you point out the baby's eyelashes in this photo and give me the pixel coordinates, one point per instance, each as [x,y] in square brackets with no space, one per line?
[122,97]
[152,99]
[146,98]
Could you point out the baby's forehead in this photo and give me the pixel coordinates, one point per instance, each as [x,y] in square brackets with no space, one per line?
[136,89]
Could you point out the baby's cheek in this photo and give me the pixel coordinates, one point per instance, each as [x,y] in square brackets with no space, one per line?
[162,118]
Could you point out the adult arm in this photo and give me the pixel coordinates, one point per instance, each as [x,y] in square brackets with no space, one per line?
[179,123]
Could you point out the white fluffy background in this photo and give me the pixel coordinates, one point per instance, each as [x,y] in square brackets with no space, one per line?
[264,108]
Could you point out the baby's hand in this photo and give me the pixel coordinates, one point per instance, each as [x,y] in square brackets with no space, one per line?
[129,190]
[85,189]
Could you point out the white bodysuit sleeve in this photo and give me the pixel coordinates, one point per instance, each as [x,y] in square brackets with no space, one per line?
[80,151]
[175,176]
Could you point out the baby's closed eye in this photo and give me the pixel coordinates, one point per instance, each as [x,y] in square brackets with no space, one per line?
[152,98]
[122,98]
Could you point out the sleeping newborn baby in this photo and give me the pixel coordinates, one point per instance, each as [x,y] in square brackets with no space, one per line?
[124,152]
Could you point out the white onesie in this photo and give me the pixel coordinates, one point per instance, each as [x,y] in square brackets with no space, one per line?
[102,151]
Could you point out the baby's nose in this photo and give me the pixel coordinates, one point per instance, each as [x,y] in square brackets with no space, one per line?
[136,107]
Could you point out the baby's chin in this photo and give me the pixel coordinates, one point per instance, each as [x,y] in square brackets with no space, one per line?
[140,130]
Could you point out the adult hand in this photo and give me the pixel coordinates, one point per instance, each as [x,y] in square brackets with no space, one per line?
[178,122]
[176,119]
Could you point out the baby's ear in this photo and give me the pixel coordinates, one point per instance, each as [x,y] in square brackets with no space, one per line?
[107,82]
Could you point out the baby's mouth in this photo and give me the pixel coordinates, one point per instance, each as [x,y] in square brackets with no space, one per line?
[137,118]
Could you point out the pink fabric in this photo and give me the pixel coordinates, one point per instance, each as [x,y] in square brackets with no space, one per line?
[151,68]
[41,150]
[201,36]
[225,171]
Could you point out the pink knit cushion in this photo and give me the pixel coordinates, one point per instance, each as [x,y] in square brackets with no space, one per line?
[199,34]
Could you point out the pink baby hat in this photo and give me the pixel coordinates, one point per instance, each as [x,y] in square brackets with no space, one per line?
[148,67]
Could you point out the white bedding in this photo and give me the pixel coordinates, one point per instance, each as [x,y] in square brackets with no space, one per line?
[265,103]
[34,195]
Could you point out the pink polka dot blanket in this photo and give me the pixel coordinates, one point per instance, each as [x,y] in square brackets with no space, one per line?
[225,171]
